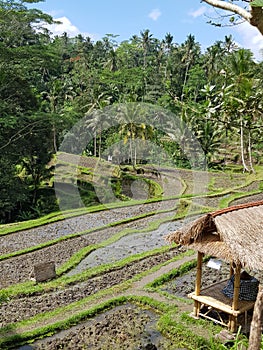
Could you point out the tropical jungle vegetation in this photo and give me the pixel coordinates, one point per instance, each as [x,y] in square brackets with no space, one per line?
[48,84]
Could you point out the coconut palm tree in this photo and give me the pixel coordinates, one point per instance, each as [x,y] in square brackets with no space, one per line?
[98,120]
[190,51]
[134,126]
[241,63]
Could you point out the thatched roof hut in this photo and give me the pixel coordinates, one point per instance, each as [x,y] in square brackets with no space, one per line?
[234,234]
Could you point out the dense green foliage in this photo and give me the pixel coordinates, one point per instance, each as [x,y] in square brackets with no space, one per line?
[49,83]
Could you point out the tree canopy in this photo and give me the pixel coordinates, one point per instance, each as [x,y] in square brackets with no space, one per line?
[248,10]
[48,84]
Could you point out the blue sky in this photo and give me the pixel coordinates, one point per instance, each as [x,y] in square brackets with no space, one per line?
[95,18]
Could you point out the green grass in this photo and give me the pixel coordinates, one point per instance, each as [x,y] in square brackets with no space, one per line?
[81,254]
[178,332]
[182,211]
[44,317]
[180,328]
[19,339]
[226,201]
[78,234]
[185,337]
[57,216]
[30,287]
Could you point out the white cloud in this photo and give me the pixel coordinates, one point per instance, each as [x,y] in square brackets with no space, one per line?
[199,12]
[67,27]
[56,13]
[250,38]
[155,14]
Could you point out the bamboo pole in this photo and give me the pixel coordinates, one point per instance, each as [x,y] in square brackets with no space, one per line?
[231,272]
[198,273]
[198,282]
[236,287]
[233,319]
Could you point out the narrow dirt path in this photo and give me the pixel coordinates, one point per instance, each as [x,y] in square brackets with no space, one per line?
[163,270]
[138,287]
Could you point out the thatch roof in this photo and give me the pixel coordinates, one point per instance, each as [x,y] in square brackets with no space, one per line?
[234,233]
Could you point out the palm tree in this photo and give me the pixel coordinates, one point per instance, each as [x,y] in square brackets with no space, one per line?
[112,61]
[97,120]
[167,42]
[190,50]
[146,38]
[229,44]
[213,61]
[133,127]
[241,64]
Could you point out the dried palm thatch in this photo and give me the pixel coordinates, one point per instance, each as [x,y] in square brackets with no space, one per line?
[234,233]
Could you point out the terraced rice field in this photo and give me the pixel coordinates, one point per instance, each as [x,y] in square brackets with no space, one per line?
[107,263]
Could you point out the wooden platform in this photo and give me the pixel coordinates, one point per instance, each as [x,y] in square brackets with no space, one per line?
[212,299]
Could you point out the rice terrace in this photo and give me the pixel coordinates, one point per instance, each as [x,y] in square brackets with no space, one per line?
[118,284]
[131,187]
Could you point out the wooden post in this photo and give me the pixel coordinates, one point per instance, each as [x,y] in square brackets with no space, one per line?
[255,328]
[233,320]
[198,273]
[198,282]
[231,272]
[236,287]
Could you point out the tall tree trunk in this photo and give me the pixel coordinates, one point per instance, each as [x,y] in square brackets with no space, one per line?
[245,168]
[184,83]
[100,145]
[256,18]
[95,144]
[54,139]
[255,328]
[131,150]
[250,152]
[226,144]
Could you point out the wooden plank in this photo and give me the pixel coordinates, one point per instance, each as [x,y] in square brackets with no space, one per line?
[213,296]
[209,301]
[213,319]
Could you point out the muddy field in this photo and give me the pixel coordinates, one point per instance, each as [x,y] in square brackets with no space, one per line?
[128,326]
[22,308]
[124,327]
